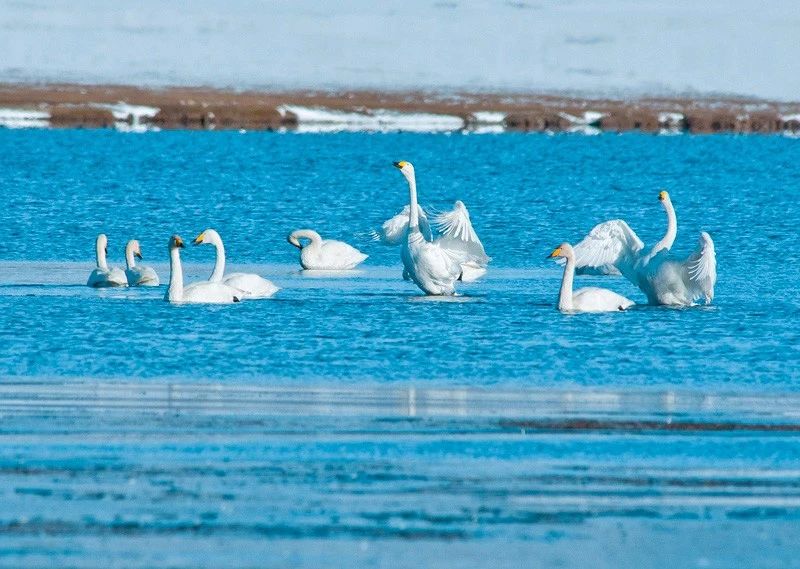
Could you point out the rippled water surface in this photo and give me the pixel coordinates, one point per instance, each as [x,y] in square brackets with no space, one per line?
[526,195]
[352,418]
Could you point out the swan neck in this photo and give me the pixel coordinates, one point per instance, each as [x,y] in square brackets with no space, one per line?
[413,208]
[565,294]
[672,229]
[219,264]
[309,234]
[175,291]
[100,254]
[129,259]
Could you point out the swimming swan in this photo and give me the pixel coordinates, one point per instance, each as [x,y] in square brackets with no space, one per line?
[138,275]
[435,266]
[324,254]
[200,292]
[589,299]
[103,276]
[662,278]
[252,285]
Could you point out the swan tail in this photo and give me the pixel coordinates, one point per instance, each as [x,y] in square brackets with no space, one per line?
[471,272]
[701,269]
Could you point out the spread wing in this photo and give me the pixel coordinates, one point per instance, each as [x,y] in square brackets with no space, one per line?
[608,245]
[701,269]
[394,229]
[458,236]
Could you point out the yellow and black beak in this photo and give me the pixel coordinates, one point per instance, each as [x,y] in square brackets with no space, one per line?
[179,242]
[400,164]
[138,255]
[199,239]
[556,253]
[662,195]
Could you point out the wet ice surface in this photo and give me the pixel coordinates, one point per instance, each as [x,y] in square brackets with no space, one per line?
[195,475]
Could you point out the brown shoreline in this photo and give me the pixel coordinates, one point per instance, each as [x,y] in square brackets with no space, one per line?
[205,108]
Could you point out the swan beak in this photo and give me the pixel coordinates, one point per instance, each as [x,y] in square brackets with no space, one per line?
[556,253]
[179,242]
[400,164]
[293,240]
[138,255]
[199,239]
[662,196]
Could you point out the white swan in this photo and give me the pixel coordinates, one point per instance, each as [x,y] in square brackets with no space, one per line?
[458,253]
[455,232]
[252,285]
[324,254]
[588,299]
[662,278]
[103,275]
[138,275]
[200,292]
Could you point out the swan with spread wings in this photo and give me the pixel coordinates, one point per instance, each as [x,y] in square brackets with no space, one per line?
[436,264]
[613,246]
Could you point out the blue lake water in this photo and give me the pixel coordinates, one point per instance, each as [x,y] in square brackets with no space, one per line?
[352,417]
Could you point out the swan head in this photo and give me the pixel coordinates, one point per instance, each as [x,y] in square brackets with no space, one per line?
[292,238]
[135,248]
[407,168]
[207,236]
[564,251]
[663,197]
[175,242]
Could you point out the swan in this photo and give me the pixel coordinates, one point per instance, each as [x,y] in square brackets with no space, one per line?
[435,266]
[252,285]
[613,246]
[103,275]
[324,254]
[456,232]
[138,275]
[200,292]
[589,299]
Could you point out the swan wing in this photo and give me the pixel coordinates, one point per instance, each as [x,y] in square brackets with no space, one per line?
[142,276]
[393,230]
[458,236]
[102,278]
[593,299]
[701,269]
[607,246]
[252,285]
[211,293]
[332,256]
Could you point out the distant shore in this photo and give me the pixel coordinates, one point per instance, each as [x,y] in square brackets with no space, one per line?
[141,109]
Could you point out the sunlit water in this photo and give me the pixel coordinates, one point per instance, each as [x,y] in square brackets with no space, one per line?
[352,417]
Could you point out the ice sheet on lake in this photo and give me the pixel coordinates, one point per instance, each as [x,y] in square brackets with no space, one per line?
[486,122]
[129,118]
[319,119]
[24,118]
